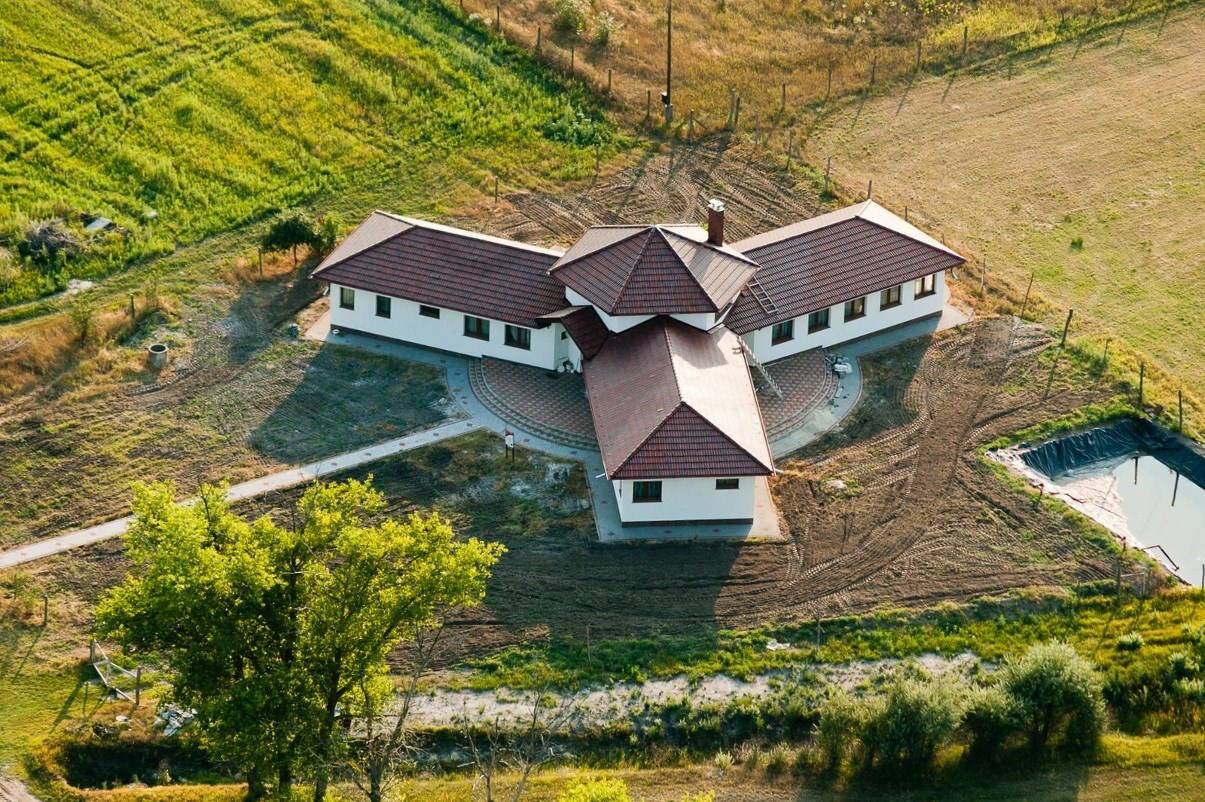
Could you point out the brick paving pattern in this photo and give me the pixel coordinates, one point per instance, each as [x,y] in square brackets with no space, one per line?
[550,404]
[806,382]
[555,405]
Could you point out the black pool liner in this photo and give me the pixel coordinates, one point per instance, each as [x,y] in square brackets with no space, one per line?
[1116,442]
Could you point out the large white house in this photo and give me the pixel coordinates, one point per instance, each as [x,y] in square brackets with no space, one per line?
[662,320]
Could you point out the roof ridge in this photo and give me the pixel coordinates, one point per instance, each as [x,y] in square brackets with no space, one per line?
[627,284]
[689,272]
[562,264]
[728,437]
[323,268]
[653,431]
[478,235]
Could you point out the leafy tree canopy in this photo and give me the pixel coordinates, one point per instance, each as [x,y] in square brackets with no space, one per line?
[269,629]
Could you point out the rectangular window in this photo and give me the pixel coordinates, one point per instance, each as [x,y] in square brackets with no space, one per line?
[855,309]
[384,306]
[518,337]
[428,311]
[926,286]
[727,484]
[889,297]
[818,321]
[643,492]
[782,332]
[476,327]
[347,298]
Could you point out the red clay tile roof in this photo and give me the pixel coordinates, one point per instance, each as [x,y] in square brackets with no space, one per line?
[653,270]
[669,400]
[584,326]
[446,267]
[832,258]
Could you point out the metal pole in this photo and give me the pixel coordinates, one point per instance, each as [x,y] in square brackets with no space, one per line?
[669,61]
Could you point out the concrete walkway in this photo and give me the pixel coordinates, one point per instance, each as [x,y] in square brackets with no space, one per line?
[246,490]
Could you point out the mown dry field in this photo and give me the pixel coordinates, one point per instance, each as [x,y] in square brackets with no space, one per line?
[1099,143]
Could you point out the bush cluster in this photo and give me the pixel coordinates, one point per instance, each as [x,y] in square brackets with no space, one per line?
[1050,695]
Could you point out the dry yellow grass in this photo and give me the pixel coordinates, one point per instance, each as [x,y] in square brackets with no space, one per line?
[756,47]
[1080,165]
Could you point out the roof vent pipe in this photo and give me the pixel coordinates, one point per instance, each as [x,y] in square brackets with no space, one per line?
[715,222]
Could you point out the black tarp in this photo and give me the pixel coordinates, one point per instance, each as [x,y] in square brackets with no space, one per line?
[1109,445]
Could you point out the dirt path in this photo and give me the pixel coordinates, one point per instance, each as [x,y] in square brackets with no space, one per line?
[14,791]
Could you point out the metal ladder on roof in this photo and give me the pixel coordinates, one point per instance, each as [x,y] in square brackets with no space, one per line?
[763,299]
[761,369]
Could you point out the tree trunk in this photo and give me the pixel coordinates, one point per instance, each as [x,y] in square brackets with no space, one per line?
[284,780]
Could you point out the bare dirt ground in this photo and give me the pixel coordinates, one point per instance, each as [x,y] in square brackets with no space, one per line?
[1080,164]
[924,521]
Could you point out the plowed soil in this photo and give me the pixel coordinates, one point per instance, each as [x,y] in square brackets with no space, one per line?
[921,520]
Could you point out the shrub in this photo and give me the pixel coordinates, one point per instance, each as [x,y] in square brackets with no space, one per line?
[569,15]
[990,719]
[1130,642]
[289,231]
[1055,691]
[723,762]
[577,129]
[917,718]
[45,242]
[842,721]
[605,789]
[605,26]
[778,760]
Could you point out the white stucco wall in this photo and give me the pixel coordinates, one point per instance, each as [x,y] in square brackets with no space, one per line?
[618,323]
[840,331]
[446,332]
[693,499]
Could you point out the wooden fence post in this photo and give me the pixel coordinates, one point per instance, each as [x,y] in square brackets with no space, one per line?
[983,275]
[45,609]
[966,32]
[874,66]
[495,190]
[1025,303]
[782,107]
[133,312]
[539,36]
[790,146]
[1066,326]
[648,104]
[608,82]
[829,91]
[1180,399]
[869,189]
[497,16]
[572,57]
[918,55]
[137,686]
[1141,382]
[828,165]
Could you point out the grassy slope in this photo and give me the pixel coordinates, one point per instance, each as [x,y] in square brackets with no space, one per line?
[212,112]
[756,47]
[1088,140]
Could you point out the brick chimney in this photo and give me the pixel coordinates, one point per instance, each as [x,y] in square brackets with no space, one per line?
[715,222]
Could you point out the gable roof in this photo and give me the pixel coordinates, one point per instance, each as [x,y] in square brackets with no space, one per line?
[832,258]
[653,270]
[446,267]
[584,326]
[669,400]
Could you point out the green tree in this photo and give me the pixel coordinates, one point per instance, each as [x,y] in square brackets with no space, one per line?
[1056,691]
[270,631]
[290,231]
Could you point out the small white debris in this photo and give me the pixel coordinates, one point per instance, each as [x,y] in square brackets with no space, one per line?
[776,646]
[835,485]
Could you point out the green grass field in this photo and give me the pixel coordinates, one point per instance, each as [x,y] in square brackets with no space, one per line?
[213,113]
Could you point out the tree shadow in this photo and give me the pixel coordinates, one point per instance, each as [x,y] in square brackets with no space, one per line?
[262,309]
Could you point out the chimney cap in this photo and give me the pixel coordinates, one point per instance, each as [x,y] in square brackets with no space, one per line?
[715,205]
